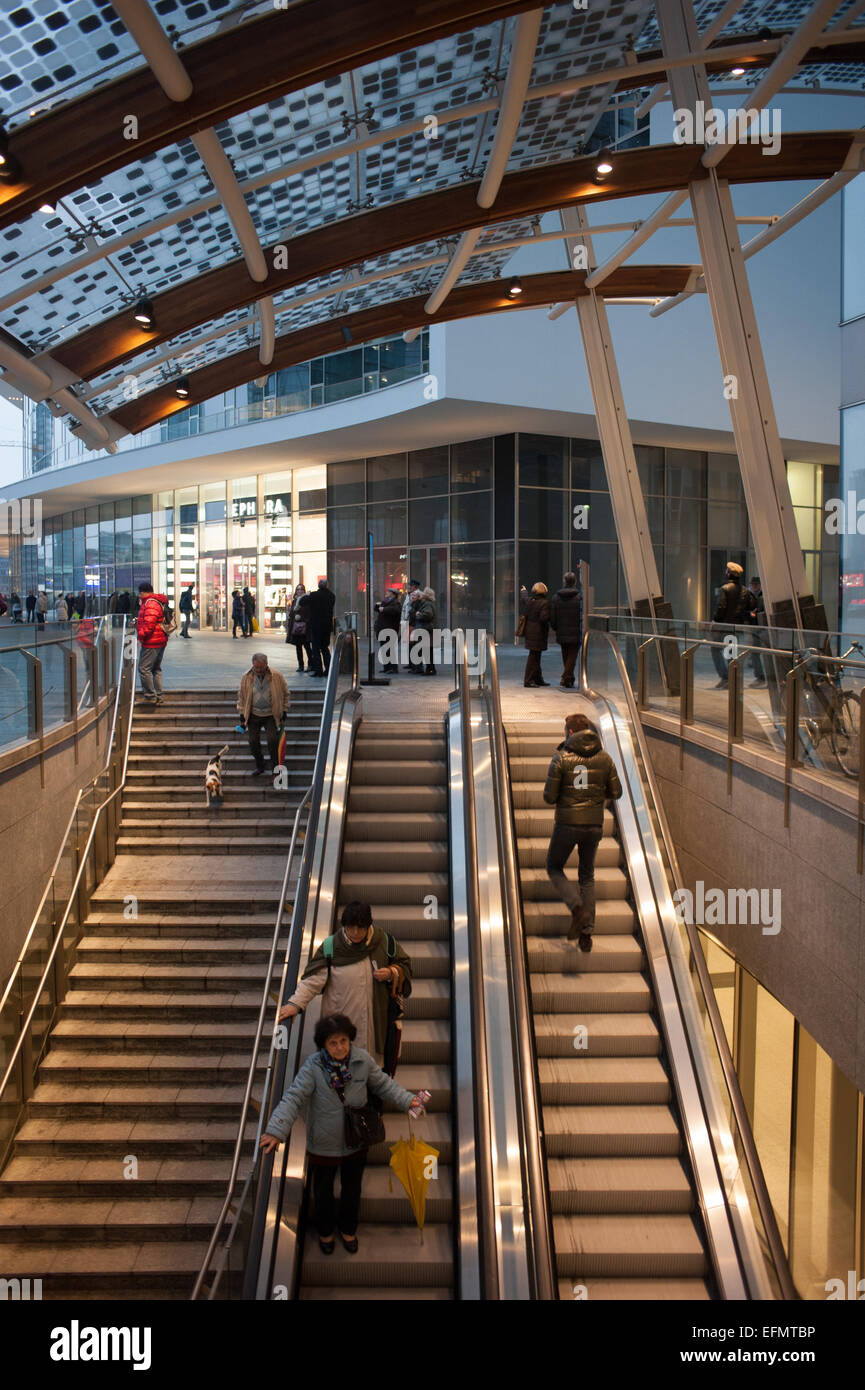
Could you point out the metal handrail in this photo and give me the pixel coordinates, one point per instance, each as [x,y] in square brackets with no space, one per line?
[58,936]
[480,1058]
[731,1080]
[253,1065]
[274,1073]
[538,1212]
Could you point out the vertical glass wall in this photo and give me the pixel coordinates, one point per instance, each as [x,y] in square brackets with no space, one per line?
[808,1126]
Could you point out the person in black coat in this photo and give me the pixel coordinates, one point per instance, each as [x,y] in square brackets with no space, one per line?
[123,601]
[537,626]
[732,607]
[248,609]
[238,614]
[388,615]
[297,626]
[566,620]
[321,605]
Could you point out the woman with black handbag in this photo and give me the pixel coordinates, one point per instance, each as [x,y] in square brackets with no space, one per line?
[334,1086]
[297,626]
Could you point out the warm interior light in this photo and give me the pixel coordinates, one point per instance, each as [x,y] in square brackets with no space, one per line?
[182,388]
[737,72]
[515,288]
[144,313]
[604,166]
[48,209]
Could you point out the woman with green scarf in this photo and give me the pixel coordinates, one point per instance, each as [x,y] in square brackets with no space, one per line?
[364,968]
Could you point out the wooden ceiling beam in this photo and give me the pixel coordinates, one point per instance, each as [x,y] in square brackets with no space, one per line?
[383,320]
[414,221]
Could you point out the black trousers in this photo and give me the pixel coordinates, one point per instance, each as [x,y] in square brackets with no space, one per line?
[533,668]
[320,659]
[564,840]
[300,648]
[346,1215]
[254,726]
[570,652]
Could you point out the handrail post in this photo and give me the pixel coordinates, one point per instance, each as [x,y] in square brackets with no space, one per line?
[93,664]
[35,710]
[791,735]
[735,713]
[642,676]
[686,697]
[71,684]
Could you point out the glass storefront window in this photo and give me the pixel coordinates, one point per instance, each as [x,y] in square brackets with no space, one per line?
[853,262]
[724,479]
[726,525]
[472,465]
[683,557]
[345,483]
[598,513]
[470,586]
[764,1061]
[587,466]
[542,562]
[650,466]
[343,375]
[544,513]
[387,522]
[386,478]
[686,473]
[428,520]
[428,471]
[471,516]
[543,460]
[346,526]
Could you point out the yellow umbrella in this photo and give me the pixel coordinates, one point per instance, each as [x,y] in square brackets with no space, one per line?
[416,1165]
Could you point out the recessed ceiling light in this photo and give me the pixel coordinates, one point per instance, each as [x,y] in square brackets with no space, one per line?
[604,165]
[48,209]
[737,72]
[144,313]
[182,388]
[515,288]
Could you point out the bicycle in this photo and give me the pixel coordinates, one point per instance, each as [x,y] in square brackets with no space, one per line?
[832,711]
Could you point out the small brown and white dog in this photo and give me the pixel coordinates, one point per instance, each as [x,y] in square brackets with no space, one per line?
[213,777]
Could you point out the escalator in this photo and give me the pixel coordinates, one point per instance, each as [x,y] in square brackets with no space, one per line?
[621,1193]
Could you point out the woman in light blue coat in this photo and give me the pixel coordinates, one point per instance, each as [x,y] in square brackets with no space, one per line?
[338,1075]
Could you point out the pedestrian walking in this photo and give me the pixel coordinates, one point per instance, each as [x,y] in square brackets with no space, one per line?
[388,617]
[321,603]
[153,619]
[186,606]
[61,609]
[248,610]
[755,615]
[238,614]
[580,779]
[262,703]
[566,620]
[41,607]
[534,629]
[729,610]
[424,622]
[297,627]
[338,1076]
[15,605]
[30,604]
[408,602]
[123,601]
[363,969]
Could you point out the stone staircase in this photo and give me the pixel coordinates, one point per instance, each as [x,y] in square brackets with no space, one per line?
[119,1171]
[620,1189]
[395,855]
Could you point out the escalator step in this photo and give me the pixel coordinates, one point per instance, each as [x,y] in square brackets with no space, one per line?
[425,858]
[394,888]
[624,1290]
[613,916]
[384,1197]
[596,1035]
[634,1246]
[609,883]
[620,1185]
[603,1081]
[396,827]
[550,955]
[532,853]
[626,1131]
[587,993]
[375,1294]
[373,799]
[387,1257]
[385,771]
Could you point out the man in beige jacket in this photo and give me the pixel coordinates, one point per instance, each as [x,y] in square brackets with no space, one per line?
[262,703]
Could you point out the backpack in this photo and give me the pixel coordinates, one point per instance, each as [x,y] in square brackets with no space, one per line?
[169,622]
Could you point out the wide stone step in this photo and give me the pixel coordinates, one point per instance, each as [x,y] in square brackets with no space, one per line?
[240,811]
[71,1067]
[604,993]
[104,1177]
[596,1035]
[136,1269]
[633,1246]
[147,950]
[218,902]
[104,1219]
[554,955]
[625,1131]
[122,1100]
[138,1006]
[144,1136]
[603,1081]
[155,1035]
[619,1185]
[161,977]
[180,759]
[218,843]
[251,927]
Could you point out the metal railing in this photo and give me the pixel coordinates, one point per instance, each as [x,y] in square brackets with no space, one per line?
[249,1217]
[54,678]
[712,1032]
[28,1010]
[795,733]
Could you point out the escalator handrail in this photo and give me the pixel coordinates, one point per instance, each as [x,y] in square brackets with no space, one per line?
[540,1241]
[490,1285]
[731,1080]
[275,1073]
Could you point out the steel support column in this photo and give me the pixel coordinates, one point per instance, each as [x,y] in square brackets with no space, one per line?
[746,383]
[620,463]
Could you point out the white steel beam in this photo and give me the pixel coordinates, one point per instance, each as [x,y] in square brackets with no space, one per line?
[746,384]
[720,22]
[623,479]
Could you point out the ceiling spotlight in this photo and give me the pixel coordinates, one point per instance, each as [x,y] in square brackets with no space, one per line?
[604,165]
[48,208]
[10,169]
[737,72]
[515,288]
[182,388]
[144,313]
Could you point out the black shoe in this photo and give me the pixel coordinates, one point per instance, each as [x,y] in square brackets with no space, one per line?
[578,921]
[350,1245]
[541,682]
[585,942]
[327,1247]
[256,772]
[722,685]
